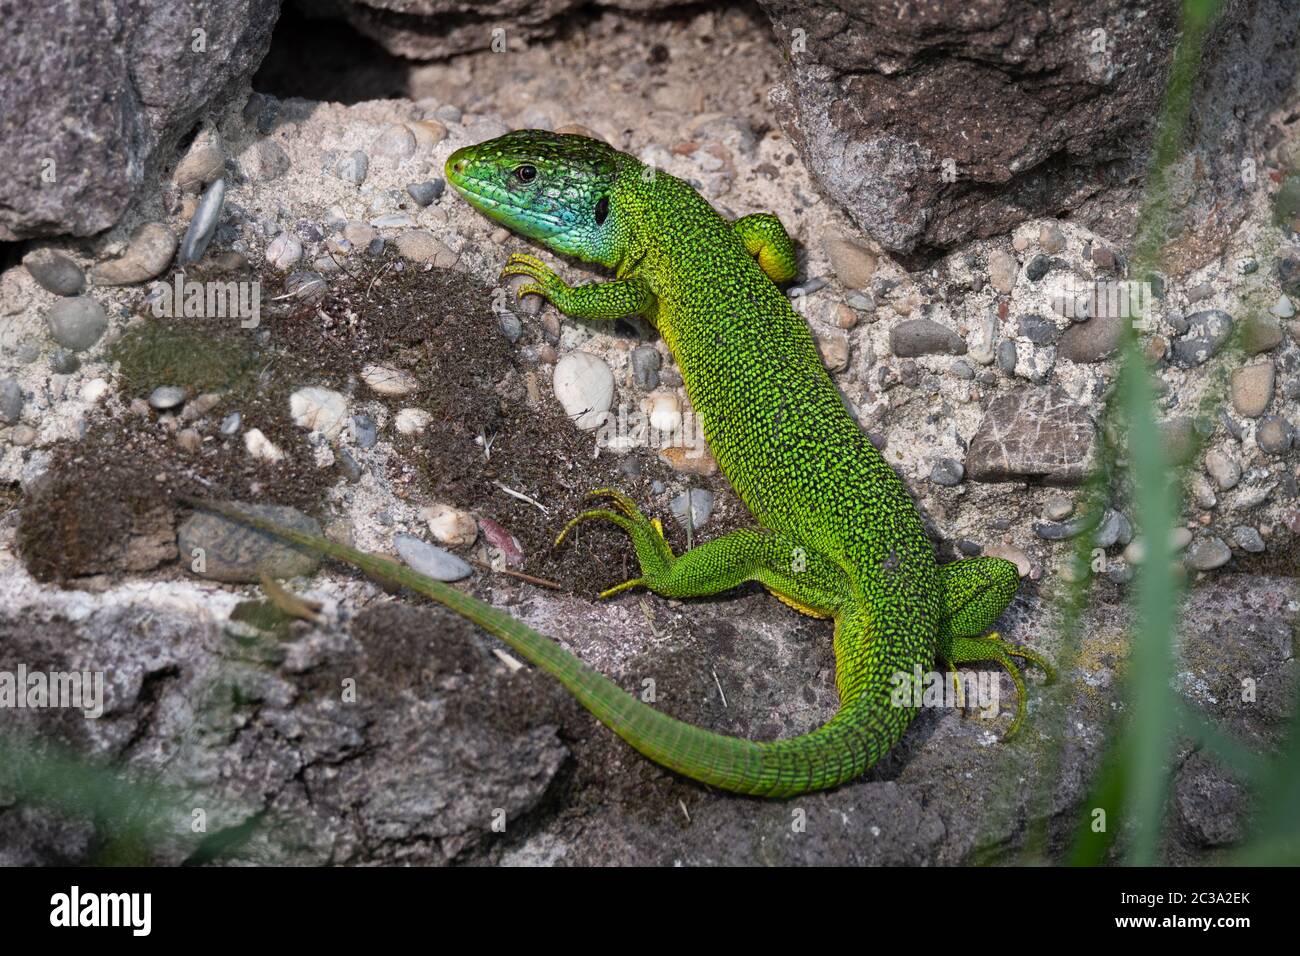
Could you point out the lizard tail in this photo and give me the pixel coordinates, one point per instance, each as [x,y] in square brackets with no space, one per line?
[860,733]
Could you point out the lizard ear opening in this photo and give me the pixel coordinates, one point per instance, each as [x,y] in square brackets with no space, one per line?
[602,210]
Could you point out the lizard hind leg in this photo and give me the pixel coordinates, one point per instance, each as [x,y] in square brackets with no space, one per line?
[769,243]
[976,592]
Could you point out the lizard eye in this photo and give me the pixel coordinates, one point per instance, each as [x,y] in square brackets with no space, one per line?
[602,210]
[526,173]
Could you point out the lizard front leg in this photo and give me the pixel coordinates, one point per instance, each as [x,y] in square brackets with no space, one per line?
[596,300]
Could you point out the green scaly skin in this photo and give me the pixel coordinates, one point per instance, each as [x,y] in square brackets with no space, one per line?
[838,535]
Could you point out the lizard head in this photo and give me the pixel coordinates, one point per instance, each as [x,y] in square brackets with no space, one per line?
[552,187]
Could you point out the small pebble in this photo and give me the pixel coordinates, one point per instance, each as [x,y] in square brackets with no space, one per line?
[1223,469]
[1003,269]
[284,251]
[505,544]
[55,272]
[1058,508]
[584,386]
[645,367]
[1208,554]
[353,167]
[203,225]
[692,508]
[1248,539]
[429,560]
[319,410]
[259,446]
[11,401]
[917,337]
[450,525]
[166,397]
[230,424]
[389,381]
[77,323]
[1050,238]
[1252,389]
[1274,435]
[148,253]
[426,192]
[947,472]
[364,431]
[412,421]
[1037,268]
[64,362]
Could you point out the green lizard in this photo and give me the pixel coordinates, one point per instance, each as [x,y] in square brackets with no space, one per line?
[838,535]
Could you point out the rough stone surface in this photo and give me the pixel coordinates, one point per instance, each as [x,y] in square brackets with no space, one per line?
[1035,433]
[234,552]
[881,104]
[127,72]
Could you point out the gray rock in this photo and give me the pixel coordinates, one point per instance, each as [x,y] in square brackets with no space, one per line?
[1115,529]
[1094,340]
[510,325]
[230,424]
[134,91]
[1248,539]
[869,99]
[77,323]
[1037,267]
[204,224]
[1037,329]
[645,367]
[353,167]
[916,337]
[692,508]
[1288,272]
[11,401]
[430,560]
[1208,554]
[1207,332]
[947,472]
[1223,468]
[364,431]
[55,272]
[1033,433]
[64,362]
[426,192]
[1065,530]
[219,549]
[1007,356]
[1210,804]
[396,142]
[1274,435]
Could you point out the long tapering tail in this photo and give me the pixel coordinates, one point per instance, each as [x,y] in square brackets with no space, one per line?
[859,734]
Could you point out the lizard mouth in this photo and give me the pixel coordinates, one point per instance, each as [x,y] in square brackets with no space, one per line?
[487,194]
